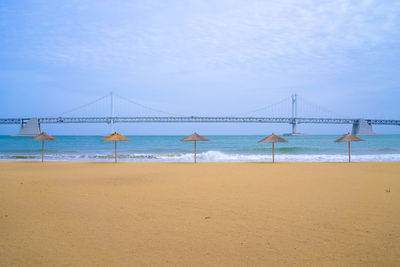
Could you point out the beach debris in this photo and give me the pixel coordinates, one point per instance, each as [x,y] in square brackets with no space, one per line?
[207,217]
[387,190]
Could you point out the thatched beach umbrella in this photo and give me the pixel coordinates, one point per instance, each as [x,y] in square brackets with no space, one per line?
[195,137]
[116,137]
[43,137]
[273,138]
[348,138]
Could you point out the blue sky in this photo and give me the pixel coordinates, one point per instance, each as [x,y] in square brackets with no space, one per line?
[199,58]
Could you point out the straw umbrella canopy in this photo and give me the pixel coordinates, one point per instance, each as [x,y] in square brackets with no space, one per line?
[195,137]
[273,138]
[116,137]
[43,137]
[348,138]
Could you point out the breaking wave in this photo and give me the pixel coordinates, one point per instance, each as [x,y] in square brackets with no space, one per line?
[209,156]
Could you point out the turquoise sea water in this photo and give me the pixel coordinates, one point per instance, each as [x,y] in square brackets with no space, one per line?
[220,148]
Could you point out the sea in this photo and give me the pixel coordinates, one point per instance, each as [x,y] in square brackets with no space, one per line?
[221,148]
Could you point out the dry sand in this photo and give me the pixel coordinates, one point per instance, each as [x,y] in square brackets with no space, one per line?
[208,214]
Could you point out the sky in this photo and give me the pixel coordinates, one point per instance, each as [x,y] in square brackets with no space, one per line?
[200,57]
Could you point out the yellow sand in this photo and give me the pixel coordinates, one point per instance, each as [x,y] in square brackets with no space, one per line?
[208,214]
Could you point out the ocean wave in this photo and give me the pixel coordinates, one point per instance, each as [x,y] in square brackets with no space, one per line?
[384,149]
[11,157]
[209,156]
[217,156]
[287,150]
[27,150]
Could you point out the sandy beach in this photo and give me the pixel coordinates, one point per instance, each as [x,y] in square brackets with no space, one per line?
[207,214]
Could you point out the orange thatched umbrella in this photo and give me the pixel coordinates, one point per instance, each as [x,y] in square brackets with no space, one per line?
[195,137]
[348,138]
[43,137]
[273,138]
[116,137]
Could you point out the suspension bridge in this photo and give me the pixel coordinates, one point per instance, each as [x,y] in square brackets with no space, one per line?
[292,110]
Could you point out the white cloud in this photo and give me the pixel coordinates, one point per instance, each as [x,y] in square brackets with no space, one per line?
[201,35]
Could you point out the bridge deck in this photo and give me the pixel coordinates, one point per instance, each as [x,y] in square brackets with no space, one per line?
[195,119]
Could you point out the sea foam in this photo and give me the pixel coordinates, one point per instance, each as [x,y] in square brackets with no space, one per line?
[208,156]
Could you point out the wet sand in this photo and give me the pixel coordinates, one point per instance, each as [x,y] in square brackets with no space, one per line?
[206,214]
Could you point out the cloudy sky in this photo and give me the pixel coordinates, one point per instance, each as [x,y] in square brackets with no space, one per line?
[200,57]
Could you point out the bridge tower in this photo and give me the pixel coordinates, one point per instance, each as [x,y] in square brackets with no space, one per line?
[294,114]
[112,112]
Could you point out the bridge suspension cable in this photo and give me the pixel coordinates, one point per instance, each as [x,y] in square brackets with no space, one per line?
[82,106]
[268,107]
[147,107]
[104,108]
[319,109]
[282,107]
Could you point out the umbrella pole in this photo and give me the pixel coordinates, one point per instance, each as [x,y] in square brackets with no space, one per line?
[195,148]
[42,150]
[349,151]
[115,151]
[273,152]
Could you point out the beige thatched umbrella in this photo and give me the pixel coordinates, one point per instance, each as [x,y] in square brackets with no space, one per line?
[43,137]
[195,137]
[349,138]
[116,137]
[273,138]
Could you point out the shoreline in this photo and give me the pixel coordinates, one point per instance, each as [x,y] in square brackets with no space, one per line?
[199,162]
[121,161]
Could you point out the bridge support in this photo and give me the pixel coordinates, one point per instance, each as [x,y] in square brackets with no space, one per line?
[31,128]
[294,128]
[112,113]
[362,127]
[294,116]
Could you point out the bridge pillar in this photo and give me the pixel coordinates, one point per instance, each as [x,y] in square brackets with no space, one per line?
[294,115]
[31,128]
[112,113]
[294,127]
[362,127]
